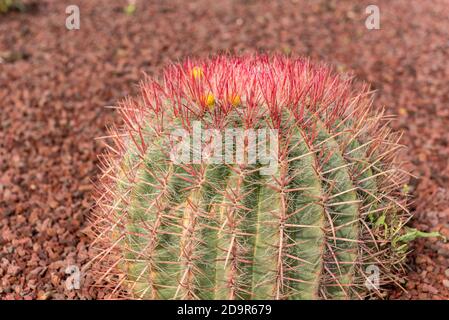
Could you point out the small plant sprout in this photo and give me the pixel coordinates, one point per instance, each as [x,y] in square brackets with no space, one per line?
[9,5]
[130,8]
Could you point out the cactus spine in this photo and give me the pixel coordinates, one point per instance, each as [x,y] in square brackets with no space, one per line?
[203,230]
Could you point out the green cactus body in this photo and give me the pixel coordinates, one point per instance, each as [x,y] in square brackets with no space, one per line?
[230,231]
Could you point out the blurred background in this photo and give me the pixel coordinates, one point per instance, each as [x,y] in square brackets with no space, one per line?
[55,84]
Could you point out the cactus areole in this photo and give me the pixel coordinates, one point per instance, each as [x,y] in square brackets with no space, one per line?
[252,177]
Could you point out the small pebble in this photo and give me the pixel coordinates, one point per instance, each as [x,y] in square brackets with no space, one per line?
[446,283]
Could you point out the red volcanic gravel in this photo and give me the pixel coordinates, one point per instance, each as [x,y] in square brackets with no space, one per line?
[55,85]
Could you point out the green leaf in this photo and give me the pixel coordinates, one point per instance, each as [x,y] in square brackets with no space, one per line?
[413,234]
[381,221]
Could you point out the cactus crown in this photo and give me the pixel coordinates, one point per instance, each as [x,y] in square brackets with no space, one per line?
[202,230]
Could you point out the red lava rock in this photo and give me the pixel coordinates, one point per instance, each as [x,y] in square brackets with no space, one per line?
[410,285]
[446,283]
[13,270]
[50,117]
[431,289]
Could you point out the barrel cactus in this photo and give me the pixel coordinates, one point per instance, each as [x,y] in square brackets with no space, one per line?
[322,219]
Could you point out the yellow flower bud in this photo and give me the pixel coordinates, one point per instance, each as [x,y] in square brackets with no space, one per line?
[209,99]
[197,73]
[235,100]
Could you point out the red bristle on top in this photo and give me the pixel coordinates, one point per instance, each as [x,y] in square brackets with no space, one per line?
[276,81]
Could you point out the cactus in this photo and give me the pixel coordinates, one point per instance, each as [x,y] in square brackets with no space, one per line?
[314,228]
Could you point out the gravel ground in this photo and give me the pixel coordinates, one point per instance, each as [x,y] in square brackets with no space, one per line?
[55,85]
